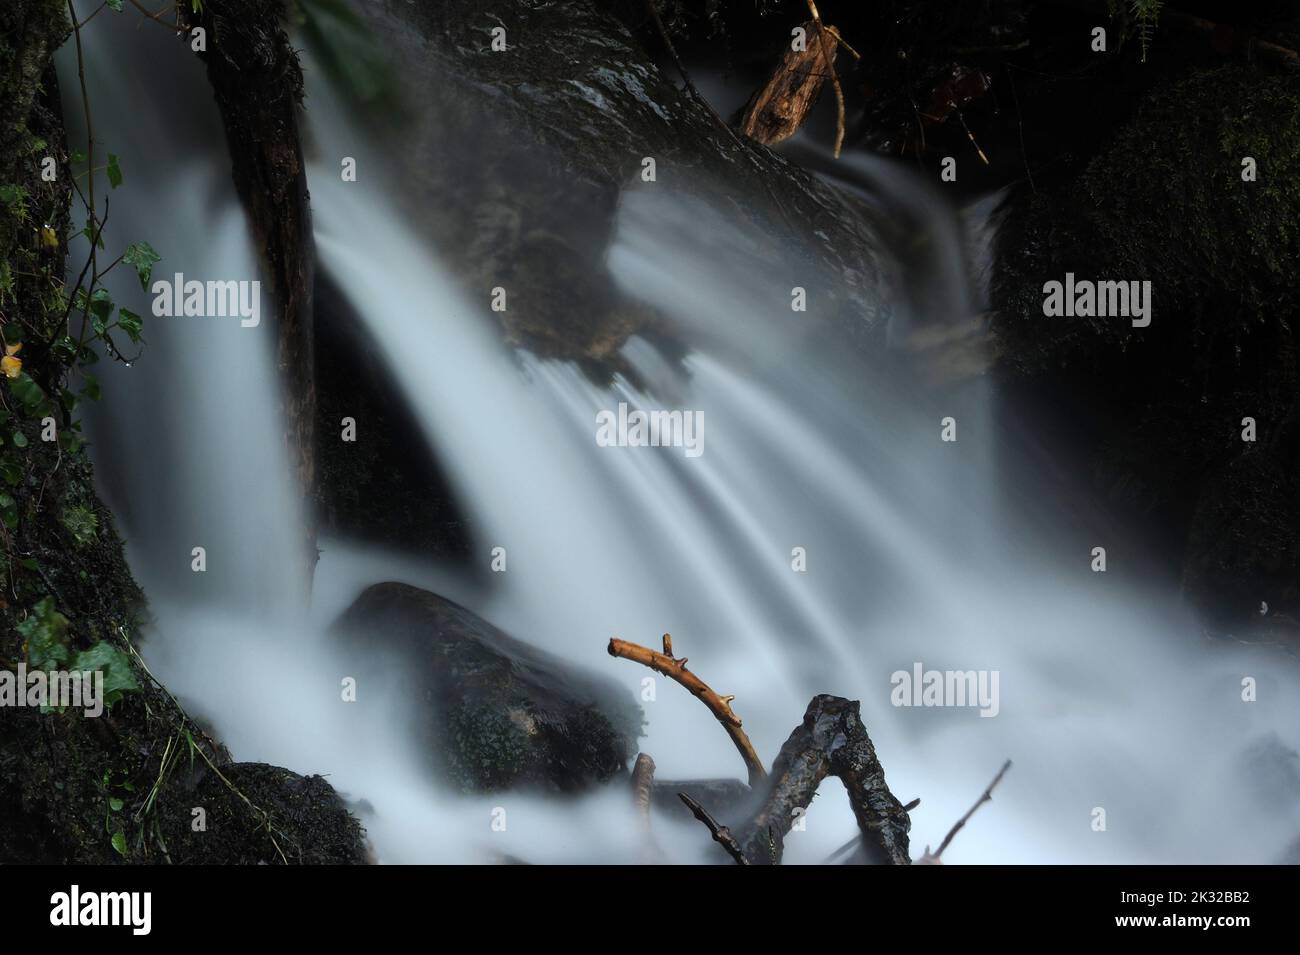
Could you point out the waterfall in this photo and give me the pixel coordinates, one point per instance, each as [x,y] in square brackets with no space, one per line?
[917,549]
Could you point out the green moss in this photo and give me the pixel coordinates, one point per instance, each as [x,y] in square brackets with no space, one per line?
[486,748]
[1164,201]
[1168,202]
[120,786]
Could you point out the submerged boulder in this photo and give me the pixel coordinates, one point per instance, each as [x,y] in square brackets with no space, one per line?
[495,712]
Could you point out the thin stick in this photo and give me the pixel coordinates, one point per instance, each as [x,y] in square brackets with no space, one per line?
[829,60]
[986,796]
[675,669]
[721,834]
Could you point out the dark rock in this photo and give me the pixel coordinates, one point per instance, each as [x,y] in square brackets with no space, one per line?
[1164,405]
[500,713]
[724,799]
[386,486]
[305,822]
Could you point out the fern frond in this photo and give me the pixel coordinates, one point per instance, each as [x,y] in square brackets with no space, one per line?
[1145,14]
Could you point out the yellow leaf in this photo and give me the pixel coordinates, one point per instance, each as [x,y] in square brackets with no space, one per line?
[49,238]
[11,366]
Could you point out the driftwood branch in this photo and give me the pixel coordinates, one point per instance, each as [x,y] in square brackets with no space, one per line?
[721,834]
[932,858]
[831,741]
[675,669]
[776,112]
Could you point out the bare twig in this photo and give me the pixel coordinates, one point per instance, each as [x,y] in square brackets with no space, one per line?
[985,796]
[721,834]
[828,58]
[720,706]
[686,77]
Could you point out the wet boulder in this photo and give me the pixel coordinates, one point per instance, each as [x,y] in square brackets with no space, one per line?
[494,713]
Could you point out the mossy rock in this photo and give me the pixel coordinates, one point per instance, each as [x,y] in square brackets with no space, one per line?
[494,713]
[1165,202]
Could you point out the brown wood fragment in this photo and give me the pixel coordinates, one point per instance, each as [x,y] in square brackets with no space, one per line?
[776,112]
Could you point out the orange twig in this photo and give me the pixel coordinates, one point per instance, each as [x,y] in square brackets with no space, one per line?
[675,669]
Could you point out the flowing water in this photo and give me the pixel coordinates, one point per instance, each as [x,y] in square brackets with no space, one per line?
[963,555]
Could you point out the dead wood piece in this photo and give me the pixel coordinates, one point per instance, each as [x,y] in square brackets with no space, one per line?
[778,110]
[675,669]
[643,779]
[721,834]
[831,741]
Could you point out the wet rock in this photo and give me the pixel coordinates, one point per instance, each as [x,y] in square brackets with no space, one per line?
[386,485]
[524,154]
[724,799]
[305,821]
[494,712]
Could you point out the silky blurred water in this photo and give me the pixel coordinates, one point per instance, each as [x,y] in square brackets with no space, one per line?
[955,554]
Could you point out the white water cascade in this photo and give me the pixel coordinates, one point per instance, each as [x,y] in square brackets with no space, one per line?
[917,549]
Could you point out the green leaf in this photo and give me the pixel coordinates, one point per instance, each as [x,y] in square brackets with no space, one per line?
[142,257]
[77,156]
[119,843]
[91,390]
[90,231]
[20,440]
[115,804]
[46,633]
[27,391]
[101,304]
[81,523]
[65,349]
[114,5]
[119,678]
[131,323]
[114,171]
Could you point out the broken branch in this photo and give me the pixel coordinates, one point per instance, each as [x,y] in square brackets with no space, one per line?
[675,669]
[721,834]
[831,741]
[643,778]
